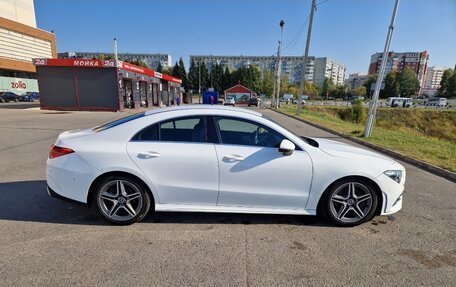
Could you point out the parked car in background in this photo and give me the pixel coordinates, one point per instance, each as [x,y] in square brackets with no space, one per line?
[229,101]
[254,102]
[8,97]
[29,97]
[303,100]
[287,98]
[437,102]
[354,99]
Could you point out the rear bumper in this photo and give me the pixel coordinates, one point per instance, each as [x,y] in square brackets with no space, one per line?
[54,194]
[70,177]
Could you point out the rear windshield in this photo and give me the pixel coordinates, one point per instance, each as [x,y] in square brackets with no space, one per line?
[118,122]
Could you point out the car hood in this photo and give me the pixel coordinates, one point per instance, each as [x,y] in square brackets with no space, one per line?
[339,149]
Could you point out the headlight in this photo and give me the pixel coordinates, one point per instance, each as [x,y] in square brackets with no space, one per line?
[395,175]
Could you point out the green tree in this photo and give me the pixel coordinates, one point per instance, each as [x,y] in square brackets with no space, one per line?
[216,77]
[392,85]
[360,91]
[448,84]
[311,90]
[284,85]
[408,83]
[368,84]
[327,88]
[175,70]
[226,79]
[183,74]
[249,77]
[168,71]
[193,74]
[452,86]
[159,67]
[205,81]
[338,91]
[137,63]
[267,83]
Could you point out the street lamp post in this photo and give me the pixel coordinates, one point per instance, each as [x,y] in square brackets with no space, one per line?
[279,63]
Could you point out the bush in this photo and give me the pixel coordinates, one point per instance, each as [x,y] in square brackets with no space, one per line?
[356,113]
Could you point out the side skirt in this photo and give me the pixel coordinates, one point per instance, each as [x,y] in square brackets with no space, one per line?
[230,209]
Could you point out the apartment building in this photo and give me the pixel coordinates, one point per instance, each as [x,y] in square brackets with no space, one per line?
[432,80]
[291,65]
[415,61]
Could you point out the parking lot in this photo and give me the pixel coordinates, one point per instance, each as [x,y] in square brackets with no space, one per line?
[47,242]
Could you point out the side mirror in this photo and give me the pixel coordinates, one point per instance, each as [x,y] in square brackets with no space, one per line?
[286,147]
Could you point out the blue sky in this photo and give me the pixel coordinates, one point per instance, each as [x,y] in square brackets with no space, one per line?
[346,30]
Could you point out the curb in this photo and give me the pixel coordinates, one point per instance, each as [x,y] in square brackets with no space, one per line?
[451,176]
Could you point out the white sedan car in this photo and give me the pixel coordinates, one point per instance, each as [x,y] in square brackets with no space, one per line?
[219,159]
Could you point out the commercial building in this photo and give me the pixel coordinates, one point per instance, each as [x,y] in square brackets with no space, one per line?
[104,85]
[432,81]
[328,68]
[151,60]
[356,80]
[415,61]
[291,65]
[240,94]
[20,42]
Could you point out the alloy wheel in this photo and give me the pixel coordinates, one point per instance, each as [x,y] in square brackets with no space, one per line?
[351,202]
[120,200]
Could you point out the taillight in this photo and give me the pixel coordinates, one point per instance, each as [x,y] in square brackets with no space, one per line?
[56,151]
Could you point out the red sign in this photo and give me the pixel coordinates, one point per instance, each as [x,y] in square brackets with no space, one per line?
[18,85]
[96,63]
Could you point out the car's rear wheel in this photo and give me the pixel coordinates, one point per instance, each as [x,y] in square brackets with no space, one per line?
[350,202]
[122,200]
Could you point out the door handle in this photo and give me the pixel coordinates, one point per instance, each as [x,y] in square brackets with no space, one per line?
[234,157]
[148,154]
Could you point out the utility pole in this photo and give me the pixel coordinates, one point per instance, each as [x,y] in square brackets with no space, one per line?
[199,82]
[275,83]
[115,50]
[279,62]
[306,56]
[381,74]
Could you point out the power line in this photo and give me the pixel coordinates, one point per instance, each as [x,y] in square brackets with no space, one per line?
[297,36]
[324,1]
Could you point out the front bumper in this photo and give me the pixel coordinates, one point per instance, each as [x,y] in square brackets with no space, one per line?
[392,192]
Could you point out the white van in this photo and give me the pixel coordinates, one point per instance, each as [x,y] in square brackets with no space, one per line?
[395,102]
[437,102]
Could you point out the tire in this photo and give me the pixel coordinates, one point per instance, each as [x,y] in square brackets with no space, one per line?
[342,207]
[122,200]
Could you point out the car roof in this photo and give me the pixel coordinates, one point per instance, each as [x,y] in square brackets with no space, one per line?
[202,107]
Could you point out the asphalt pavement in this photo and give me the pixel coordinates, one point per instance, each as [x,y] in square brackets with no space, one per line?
[47,242]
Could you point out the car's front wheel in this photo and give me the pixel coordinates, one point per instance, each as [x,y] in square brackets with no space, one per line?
[350,202]
[122,200]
